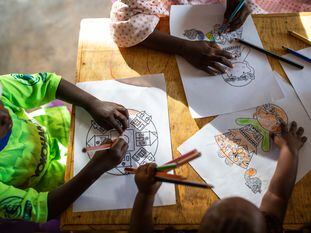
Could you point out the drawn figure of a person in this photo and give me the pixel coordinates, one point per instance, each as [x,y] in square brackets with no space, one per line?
[243,73]
[238,146]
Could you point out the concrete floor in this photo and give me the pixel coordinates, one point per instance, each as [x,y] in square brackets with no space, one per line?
[42,35]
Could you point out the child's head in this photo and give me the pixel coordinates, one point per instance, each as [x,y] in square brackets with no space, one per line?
[233,215]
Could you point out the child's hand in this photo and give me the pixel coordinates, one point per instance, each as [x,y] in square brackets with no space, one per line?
[207,56]
[145,180]
[239,18]
[5,121]
[291,138]
[109,115]
[108,159]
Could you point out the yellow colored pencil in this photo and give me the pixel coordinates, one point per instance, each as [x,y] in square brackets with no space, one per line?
[300,37]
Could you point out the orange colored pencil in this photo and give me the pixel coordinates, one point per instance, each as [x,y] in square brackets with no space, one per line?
[185,160]
[182,156]
[102,147]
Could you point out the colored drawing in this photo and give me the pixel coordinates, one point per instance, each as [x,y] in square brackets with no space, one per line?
[239,146]
[194,34]
[214,35]
[225,38]
[141,136]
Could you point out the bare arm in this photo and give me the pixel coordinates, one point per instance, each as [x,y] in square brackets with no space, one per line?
[106,114]
[141,217]
[60,198]
[282,183]
[204,55]
[164,42]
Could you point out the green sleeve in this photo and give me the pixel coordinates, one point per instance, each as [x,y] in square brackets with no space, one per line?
[28,205]
[30,90]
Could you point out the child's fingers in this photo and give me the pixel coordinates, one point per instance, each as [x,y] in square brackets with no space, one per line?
[223,61]
[142,169]
[208,70]
[122,118]
[213,45]
[223,53]
[124,111]
[293,127]
[115,124]
[217,67]
[152,169]
[284,128]
[239,19]
[124,148]
[300,132]
[278,140]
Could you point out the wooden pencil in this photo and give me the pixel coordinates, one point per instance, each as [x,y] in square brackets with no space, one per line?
[131,170]
[188,159]
[182,156]
[185,160]
[184,182]
[300,37]
[102,147]
[270,53]
[297,54]
[167,166]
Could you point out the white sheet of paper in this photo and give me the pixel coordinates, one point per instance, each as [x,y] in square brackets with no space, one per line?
[148,137]
[233,172]
[300,79]
[249,84]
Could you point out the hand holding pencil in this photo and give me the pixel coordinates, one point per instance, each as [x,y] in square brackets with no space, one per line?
[235,15]
[105,160]
[159,173]
[145,179]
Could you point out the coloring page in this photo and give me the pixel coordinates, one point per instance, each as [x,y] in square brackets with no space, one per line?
[248,84]
[238,156]
[148,137]
[300,79]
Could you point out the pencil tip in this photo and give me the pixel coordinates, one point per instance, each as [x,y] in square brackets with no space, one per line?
[84,150]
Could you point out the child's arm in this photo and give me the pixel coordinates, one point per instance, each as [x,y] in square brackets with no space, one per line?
[141,218]
[103,161]
[282,183]
[204,55]
[33,90]
[30,205]
[106,114]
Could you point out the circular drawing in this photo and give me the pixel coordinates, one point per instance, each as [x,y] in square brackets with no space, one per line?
[241,75]
[270,117]
[141,136]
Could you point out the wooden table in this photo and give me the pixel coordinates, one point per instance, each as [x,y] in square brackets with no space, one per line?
[100,59]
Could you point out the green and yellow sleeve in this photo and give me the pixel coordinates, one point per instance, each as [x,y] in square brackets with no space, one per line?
[30,90]
[27,205]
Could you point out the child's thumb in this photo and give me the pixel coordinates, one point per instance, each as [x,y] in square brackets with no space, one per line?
[278,140]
